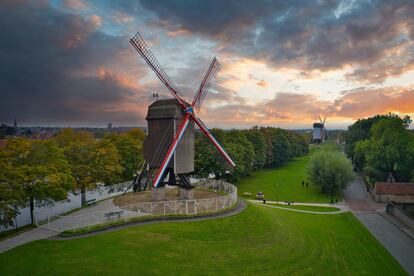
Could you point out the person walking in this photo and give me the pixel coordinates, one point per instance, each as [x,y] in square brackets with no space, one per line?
[307,184]
[303,183]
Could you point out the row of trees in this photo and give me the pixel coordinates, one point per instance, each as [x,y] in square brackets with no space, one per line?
[381,146]
[251,149]
[39,171]
[43,170]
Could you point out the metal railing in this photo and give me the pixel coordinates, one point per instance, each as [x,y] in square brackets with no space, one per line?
[88,218]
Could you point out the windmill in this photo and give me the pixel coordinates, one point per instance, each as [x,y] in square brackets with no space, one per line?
[319,132]
[169,146]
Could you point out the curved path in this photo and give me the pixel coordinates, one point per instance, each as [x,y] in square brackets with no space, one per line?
[302,211]
[368,212]
[40,233]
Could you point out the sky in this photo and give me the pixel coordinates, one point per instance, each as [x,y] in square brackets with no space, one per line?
[284,63]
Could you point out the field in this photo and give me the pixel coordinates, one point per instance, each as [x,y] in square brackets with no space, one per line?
[284,182]
[259,240]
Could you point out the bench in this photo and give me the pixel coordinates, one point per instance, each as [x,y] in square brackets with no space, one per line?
[289,202]
[247,194]
[91,202]
[113,214]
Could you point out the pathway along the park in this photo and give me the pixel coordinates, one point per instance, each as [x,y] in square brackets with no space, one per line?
[398,243]
[41,233]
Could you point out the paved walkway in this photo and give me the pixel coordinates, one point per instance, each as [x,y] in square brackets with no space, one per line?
[42,233]
[398,243]
[343,208]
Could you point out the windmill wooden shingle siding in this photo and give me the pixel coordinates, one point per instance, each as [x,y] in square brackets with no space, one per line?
[163,118]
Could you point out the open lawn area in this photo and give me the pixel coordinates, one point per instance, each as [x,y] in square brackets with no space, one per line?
[285,181]
[259,240]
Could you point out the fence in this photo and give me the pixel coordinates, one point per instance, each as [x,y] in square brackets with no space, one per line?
[143,210]
[401,214]
[73,201]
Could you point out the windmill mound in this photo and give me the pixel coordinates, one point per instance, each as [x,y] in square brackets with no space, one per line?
[171,194]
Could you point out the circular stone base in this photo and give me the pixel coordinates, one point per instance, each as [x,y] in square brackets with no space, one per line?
[158,194]
[185,194]
[170,193]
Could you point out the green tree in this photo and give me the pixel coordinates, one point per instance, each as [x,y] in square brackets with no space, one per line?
[130,151]
[258,142]
[41,171]
[330,170]
[91,161]
[137,134]
[361,130]
[390,149]
[11,192]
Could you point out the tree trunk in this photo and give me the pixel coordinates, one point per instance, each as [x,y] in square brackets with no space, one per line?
[83,192]
[31,204]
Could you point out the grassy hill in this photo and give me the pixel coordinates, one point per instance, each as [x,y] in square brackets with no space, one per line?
[285,180]
[259,240]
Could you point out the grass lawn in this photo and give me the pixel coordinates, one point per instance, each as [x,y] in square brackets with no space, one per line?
[260,240]
[307,208]
[285,180]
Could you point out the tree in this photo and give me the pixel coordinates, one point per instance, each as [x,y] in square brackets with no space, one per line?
[130,151]
[11,192]
[40,171]
[390,149]
[330,170]
[360,130]
[90,160]
[137,134]
[258,142]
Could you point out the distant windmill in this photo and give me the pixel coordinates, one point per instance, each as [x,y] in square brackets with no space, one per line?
[319,133]
[169,146]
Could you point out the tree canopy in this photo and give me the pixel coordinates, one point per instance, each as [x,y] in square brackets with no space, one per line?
[250,149]
[389,149]
[330,169]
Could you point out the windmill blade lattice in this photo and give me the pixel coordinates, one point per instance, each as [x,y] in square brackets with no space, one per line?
[205,85]
[141,46]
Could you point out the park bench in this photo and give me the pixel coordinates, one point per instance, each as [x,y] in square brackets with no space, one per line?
[113,214]
[247,194]
[90,202]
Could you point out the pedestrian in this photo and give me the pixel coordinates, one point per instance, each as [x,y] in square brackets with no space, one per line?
[303,183]
[336,201]
[307,184]
[331,202]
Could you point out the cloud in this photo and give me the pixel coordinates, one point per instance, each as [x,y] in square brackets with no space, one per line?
[364,102]
[62,69]
[301,110]
[305,35]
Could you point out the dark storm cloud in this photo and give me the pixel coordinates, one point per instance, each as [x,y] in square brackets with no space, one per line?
[306,35]
[48,66]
